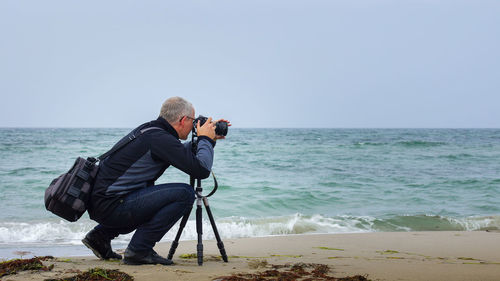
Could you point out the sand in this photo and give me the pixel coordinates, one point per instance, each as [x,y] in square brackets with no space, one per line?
[379,256]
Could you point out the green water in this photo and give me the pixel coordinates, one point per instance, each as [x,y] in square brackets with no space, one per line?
[282,181]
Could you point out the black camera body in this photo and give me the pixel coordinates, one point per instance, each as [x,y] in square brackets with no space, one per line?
[220,127]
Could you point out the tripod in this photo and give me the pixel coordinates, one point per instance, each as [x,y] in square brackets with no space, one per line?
[199,229]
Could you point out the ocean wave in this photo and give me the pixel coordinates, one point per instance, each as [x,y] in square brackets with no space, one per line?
[293,224]
[460,156]
[61,232]
[23,171]
[370,143]
[65,233]
[420,143]
[477,223]
[436,223]
[407,144]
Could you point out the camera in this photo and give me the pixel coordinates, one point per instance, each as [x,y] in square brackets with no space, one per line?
[220,127]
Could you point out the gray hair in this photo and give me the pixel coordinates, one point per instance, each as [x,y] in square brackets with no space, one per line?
[173,109]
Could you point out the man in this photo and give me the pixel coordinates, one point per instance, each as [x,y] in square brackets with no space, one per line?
[125,198]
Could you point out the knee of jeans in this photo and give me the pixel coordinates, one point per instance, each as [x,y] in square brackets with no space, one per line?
[190,196]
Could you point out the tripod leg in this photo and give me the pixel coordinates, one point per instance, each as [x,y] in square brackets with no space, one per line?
[175,243]
[199,230]
[220,245]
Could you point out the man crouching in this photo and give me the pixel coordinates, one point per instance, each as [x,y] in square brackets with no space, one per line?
[125,197]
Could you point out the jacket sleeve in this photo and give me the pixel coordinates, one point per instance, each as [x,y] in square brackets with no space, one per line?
[171,151]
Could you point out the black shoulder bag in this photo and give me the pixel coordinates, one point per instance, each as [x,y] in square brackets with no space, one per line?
[68,195]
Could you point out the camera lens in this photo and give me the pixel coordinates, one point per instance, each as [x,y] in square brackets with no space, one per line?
[221,128]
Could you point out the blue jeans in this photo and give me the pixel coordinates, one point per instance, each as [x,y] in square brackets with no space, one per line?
[151,211]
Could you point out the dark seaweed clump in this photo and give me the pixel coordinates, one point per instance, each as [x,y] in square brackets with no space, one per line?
[98,274]
[14,266]
[296,272]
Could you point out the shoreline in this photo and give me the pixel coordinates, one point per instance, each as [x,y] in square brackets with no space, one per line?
[437,255]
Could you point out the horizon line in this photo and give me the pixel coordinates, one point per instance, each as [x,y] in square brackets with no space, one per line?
[444,128]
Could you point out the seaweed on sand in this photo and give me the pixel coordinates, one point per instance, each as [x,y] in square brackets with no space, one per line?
[98,274]
[295,272]
[14,266]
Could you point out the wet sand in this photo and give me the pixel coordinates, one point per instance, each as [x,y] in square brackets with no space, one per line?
[379,256]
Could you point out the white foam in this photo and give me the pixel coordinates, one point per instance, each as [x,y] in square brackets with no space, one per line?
[238,227]
[43,232]
[65,233]
[477,222]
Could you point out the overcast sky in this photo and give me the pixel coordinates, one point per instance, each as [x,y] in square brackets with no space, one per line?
[258,63]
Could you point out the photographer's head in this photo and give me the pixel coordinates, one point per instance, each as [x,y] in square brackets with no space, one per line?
[180,114]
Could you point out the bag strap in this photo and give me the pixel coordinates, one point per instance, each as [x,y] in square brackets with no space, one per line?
[119,145]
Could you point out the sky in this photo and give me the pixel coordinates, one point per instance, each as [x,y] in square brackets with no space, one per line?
[260,64]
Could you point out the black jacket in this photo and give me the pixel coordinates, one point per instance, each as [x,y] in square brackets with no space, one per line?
[141,162]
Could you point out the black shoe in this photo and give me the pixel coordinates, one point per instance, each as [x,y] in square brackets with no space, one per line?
[100,246]
[150,257]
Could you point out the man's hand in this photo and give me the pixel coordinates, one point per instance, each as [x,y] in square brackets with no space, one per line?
[208,129]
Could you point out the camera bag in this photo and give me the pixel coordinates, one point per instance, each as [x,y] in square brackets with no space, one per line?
[68,195]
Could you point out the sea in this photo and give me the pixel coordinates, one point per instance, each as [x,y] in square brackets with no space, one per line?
[274,182]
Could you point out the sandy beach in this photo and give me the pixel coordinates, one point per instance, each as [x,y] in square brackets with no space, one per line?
[378,256]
